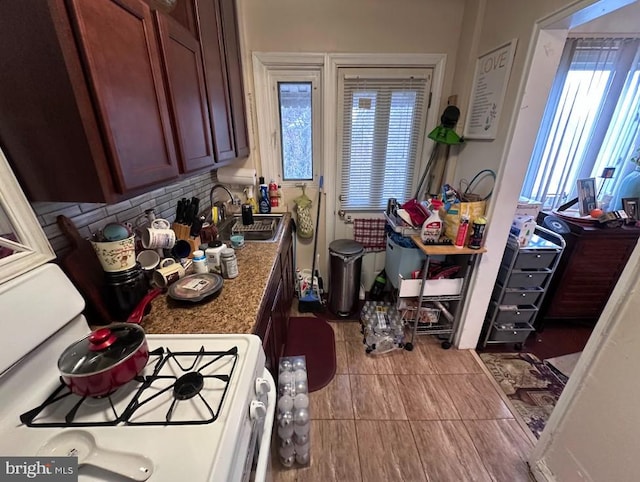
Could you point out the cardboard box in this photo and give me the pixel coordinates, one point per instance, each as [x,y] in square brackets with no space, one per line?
[432,287]
[522,228]
[528,208]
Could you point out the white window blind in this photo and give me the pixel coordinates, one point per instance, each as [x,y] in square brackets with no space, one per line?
[383,123]
[590,121]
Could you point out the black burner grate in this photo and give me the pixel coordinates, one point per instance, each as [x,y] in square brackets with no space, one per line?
[170,380]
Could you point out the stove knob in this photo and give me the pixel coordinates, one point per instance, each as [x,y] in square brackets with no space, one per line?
[257,410]
[262,386]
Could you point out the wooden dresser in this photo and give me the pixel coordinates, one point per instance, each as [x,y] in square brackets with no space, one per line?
[587,273]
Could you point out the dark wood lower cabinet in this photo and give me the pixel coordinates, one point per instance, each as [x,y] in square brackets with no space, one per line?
[588,271]
[273,319]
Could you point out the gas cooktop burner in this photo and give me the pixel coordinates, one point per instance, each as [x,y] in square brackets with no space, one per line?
[175,388]
[188,386]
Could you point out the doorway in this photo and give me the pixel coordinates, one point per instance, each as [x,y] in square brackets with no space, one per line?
[549,35]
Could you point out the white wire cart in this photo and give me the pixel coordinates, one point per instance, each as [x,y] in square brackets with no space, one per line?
[434,307]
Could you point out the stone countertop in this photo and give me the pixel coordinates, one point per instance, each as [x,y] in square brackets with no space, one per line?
[234,309]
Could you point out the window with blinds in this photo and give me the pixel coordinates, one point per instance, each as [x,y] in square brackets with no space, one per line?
[383,122]
[590,122]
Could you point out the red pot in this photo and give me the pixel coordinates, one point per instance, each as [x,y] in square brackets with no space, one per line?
[108,358]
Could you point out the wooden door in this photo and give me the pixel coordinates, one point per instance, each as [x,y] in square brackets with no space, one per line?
[187,93]
[119,45]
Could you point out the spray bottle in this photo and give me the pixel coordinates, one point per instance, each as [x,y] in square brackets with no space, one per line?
[432,227]
[251,199]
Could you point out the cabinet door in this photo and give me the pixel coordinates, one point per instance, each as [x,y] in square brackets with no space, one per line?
[216,78]
[187,93]
[234,72]
[119,44]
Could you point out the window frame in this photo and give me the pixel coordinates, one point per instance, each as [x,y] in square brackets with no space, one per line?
[268,72]
[590,159]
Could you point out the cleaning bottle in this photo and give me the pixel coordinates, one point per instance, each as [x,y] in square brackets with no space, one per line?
[273,194]
[251,199]
[432,227]
[265,204]
[463,229]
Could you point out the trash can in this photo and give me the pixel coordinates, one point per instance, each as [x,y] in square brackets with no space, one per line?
[345,265]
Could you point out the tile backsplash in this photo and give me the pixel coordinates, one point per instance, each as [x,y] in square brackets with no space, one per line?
[90,217]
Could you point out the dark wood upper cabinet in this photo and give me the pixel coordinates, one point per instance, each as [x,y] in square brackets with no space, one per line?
[217,23]
[105,99]
[118,42]
[234,73]
[187,93]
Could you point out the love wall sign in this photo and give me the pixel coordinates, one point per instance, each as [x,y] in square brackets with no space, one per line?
[487,95]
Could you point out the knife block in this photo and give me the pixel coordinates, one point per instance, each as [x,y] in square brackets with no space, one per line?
[181,230]
[195,244]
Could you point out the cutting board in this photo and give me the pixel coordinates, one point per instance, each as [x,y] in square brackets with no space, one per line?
[83,268]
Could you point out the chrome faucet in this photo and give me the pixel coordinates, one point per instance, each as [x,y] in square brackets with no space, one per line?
[221,206]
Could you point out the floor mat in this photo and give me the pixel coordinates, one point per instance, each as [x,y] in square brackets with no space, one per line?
[313,338]
[530,385]
[565,364]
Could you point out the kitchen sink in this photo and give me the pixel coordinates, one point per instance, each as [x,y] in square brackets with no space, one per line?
[265,228]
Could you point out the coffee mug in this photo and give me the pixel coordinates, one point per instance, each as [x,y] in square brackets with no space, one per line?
[153,238]
[148,259]
[181,249]
[166,262]
[163,277]
[160,223]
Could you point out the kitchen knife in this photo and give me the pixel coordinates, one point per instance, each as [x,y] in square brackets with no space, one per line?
[179,212]
[196,226]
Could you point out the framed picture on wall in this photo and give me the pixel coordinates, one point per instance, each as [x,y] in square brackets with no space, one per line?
[630,206]
[586,195]
[490,81]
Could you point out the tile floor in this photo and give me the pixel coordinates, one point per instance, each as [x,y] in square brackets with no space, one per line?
[426,415]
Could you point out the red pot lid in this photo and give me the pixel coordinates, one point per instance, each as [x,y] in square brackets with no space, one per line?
[101,350]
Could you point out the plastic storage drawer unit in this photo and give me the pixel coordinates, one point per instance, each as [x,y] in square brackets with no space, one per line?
[510,333]
[401,261]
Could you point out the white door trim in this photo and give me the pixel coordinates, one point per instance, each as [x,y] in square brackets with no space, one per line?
[554,29]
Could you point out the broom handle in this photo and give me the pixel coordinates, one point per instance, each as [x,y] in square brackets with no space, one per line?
[315,238]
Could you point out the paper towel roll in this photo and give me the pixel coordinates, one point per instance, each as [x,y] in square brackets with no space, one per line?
[237,176]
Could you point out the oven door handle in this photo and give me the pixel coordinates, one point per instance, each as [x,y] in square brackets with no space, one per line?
[264,453]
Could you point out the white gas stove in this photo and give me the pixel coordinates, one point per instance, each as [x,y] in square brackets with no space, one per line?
[201,410]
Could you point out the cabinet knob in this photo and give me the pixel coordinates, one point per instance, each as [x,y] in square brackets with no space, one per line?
[530,276]
[524,294]
[538,256]
[262,386]
[257,410]
[517,312]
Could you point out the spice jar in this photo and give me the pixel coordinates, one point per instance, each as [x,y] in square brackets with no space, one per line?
[229,263]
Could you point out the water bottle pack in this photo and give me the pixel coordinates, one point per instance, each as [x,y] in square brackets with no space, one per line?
[382,327]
